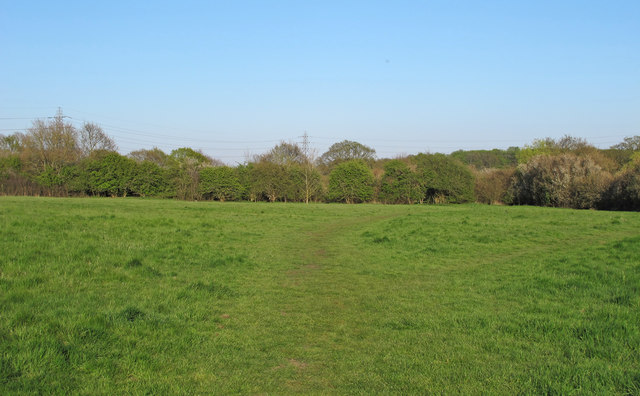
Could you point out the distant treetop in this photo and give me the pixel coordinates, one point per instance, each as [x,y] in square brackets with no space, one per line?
[345,151]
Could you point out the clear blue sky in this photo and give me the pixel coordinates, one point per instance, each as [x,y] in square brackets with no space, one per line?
[235,77]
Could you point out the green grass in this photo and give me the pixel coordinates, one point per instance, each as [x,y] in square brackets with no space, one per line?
[132,296]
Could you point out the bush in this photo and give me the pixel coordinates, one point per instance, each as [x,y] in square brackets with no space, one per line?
[110,174]
[444,179]
[351,182]
[492,186]
[563,180]
[268,180]
[624,192]
[150,180]
[399,184]
[488,159]
[220,183]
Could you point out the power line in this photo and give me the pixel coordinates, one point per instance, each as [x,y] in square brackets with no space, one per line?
[29,118]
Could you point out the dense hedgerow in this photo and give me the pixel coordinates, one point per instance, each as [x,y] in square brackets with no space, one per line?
[55,158]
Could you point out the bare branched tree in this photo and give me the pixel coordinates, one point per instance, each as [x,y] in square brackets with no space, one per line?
[92,138]
[51,143]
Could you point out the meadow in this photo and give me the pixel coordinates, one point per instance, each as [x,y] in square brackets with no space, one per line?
[141,296]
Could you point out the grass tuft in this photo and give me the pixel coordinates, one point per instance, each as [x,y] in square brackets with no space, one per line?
[134,263]
[132,314]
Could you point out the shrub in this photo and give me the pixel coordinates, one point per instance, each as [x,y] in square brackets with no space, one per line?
[150,180]
[492,186]
[624,192]
[220,183]
[487,159]
[399,184]
[110,174]
[268,180]
[563,180]
[351,182]
[444,179]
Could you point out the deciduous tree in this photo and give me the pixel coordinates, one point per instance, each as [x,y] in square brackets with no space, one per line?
[154,155]
[220,183]
[91,138]
[50,144]
[346,150]
[351,182]
[110,174]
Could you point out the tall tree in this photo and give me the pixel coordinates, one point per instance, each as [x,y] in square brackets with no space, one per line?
[630,143]
[11,144]
[351,182]
[50,144]
[312,185]
[154,155]
[346,150]
[91,138]
[269,180]
[186,164]
[284,154]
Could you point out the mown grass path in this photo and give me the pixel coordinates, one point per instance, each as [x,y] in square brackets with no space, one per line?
[128,296]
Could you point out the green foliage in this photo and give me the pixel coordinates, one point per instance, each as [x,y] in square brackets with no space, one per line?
[399,184]
[185,164]
[546,146]
[128,296]
[243,173]
[10,144]
[110,174]
[50,177]
[444,179]
[301,177]
[189,155]
[14,180]
[150,180]
[55,159]
[351,182]
[62,181]
[485,159]
[220,183]
[268,181]
[9,164]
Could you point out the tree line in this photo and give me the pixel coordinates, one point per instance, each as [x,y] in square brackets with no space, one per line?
[54,158]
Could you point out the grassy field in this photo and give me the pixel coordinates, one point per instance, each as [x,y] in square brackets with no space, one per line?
[132,296]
